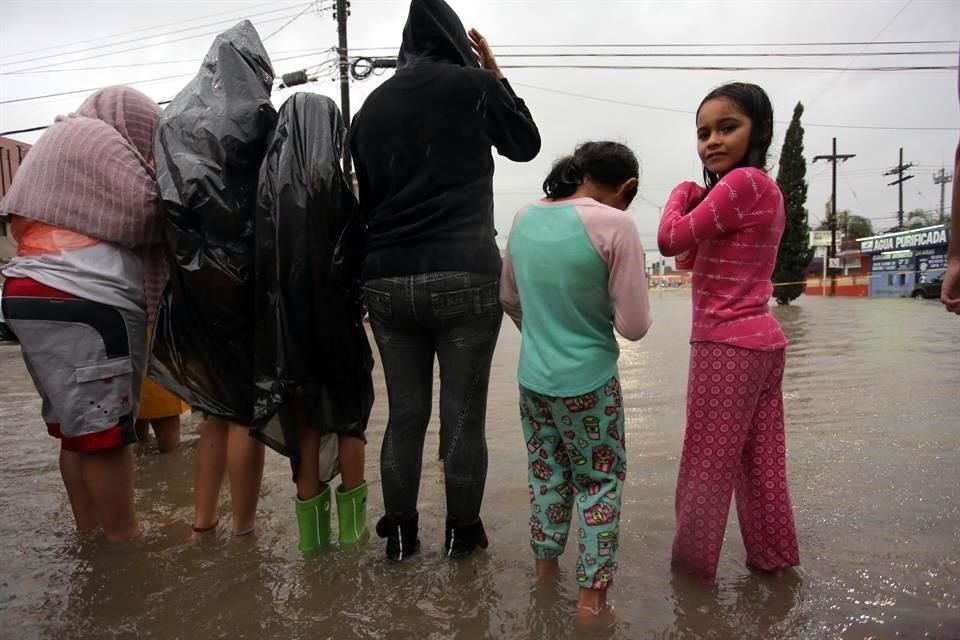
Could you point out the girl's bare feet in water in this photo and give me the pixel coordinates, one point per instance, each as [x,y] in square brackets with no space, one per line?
[593,610]
[548,568]
[203,533]
[243,536]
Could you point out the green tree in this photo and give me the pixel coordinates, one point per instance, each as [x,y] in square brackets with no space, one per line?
[858,227]
[918,218]
[795,253]
[854,225]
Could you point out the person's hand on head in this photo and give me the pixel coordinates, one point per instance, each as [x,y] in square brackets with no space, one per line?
[485,57]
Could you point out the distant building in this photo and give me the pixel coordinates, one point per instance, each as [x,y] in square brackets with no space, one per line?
[900,261]
[12,154]
[889,265]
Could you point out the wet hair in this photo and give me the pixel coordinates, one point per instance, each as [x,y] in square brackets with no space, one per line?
[755,104]
[609,163]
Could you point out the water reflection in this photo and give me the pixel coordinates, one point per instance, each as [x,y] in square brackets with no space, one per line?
[751,606]
[874,463]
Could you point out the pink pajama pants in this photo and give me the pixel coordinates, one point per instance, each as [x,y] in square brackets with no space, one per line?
[734,443]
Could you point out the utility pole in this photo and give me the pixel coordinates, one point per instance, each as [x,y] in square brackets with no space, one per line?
[343,10]
[833,158]
[942,179]
[899,171]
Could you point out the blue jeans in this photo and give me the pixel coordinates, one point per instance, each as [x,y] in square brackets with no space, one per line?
[455,317]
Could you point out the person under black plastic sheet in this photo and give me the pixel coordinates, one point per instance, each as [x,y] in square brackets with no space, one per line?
[313,361]
[422,147]
[210,144]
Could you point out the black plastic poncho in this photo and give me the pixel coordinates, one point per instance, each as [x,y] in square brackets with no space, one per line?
[311,346]
[210,143]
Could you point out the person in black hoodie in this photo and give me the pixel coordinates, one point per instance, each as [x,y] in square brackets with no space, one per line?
[422,148]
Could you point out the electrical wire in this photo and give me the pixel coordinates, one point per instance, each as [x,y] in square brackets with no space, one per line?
[292,20]
[806,54]
[92,89]
[308,53]
[689,112]
[158,35]
[879,33]
[145,46]
[727,54]
[697,44]
[639,67]
[127,33]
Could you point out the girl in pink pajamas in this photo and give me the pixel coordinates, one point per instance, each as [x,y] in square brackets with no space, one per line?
[728,233]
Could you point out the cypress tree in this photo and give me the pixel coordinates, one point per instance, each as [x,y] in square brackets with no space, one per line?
[795,253]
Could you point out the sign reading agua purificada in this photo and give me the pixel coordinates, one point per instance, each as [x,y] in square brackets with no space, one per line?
[918,239]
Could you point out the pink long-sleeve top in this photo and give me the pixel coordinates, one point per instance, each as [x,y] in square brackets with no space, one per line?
[730,235]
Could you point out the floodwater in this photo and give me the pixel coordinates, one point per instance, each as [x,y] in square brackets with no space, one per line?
[872,391]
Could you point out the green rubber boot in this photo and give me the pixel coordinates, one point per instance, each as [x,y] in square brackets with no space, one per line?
[352,514]
[313,519]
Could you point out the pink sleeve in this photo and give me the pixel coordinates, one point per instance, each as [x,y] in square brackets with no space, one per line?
[737,201]
[685,261]
[616,239]
[509,294]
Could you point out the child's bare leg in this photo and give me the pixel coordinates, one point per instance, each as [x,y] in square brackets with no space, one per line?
[308,469]
[245,469]
[548,568]
[142,428]
[351,452]
[209,467]
[84,511]
[592,608]
[108,478]
[594,599]
[167,431]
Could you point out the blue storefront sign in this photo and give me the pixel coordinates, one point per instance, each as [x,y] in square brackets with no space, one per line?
[904,259]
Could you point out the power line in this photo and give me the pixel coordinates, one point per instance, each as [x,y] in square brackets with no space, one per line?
[140,40]
[696,44]
[729,68]
[144,46]
[92,89]
[689,112]
[312,52]
[607,100]
[561,55]
[321,71]
[127,33]
[879,33]
[291,21]
[727,54]
[538,88]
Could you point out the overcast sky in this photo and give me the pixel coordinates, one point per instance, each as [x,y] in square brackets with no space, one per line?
[650,110]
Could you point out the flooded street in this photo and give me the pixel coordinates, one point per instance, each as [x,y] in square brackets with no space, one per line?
[873,424]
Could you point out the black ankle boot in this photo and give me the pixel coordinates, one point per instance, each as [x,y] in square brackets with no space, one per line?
[461,540]
[401,535]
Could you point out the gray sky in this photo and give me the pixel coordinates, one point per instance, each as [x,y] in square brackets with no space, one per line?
[618,102]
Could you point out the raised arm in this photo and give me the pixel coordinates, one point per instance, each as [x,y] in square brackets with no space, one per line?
[509,123]
[741,199]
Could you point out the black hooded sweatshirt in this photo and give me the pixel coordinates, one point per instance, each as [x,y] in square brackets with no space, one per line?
[421,145]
